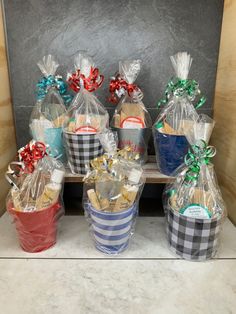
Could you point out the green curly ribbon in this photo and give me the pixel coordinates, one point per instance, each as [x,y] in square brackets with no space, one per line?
[197,155]
[179,88]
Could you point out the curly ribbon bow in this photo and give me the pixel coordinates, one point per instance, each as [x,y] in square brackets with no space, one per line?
[118,86]
[90,83]
[30,155]
[53,81]
[197,155]
[106,162]
[178,87]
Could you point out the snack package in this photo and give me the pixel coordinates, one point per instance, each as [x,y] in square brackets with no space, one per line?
[35,199]
[48,114]
[86,117]
[111,196]
[178,112]
[194,206]
[131,119]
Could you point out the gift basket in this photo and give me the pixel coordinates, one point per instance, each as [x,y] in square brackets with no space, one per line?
[86,117]
[111,196]
[131,119]
[48,114]
[194,206]
[35,199]
[177,113]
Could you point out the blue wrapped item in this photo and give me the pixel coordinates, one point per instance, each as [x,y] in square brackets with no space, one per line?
[171,150]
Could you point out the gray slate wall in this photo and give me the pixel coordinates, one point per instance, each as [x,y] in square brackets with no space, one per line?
[110,31]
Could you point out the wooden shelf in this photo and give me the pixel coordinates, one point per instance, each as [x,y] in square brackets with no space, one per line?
[150,171]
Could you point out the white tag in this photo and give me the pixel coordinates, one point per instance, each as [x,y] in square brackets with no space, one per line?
[196,211]
[132,123]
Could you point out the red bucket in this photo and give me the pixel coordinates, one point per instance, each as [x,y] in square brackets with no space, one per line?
[36,230]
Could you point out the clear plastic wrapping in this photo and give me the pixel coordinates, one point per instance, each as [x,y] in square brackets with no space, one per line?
[48,114]
[131,119]
[194,206]
[178,112]
[35,199]
[111,196]
[86,117]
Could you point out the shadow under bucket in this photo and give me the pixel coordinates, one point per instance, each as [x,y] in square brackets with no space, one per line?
[112,231]
[170,151]
[36,230]
[81,149]
[137,138]
[191,238]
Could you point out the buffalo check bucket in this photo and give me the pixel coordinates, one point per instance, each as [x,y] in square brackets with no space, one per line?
[192,238]
[112,231]
[81,149]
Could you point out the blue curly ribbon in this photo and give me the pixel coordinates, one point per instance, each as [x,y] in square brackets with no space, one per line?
[45,83]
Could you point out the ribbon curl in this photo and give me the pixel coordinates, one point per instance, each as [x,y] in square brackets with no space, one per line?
[76,80]
[30,155]
[197,155]
[178,87]
[53,81]
[118,86]
[106,163]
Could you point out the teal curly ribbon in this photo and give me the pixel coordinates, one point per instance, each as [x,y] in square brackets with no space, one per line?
[46,82]
[178,87]
[197,155]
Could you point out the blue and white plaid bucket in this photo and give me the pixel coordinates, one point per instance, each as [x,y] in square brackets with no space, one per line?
[112,231]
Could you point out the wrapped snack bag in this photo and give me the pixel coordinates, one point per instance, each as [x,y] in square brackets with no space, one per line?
[35,199]
[48,114]
[194,206]
[131,119]
[171,125]
[111,196]
[86,117]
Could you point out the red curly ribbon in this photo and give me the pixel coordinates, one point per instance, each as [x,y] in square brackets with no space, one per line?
[31,154]
[91,83]
[117,84]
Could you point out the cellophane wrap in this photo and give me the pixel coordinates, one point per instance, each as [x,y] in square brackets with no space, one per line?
[193,203]
[111,196]
[178,109]
[86,117]
[35,199]
[131,120]
[48,114]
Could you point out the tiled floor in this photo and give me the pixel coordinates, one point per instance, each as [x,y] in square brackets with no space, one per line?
[73,277]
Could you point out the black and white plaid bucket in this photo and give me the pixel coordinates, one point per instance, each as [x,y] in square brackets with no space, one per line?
[81,149]
[191,238]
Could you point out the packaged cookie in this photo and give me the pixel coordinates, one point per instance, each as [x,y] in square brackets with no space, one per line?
[111,195]
[178,111]
[131,119]
[35,199]
[194,205]
[86,117]
[48,114]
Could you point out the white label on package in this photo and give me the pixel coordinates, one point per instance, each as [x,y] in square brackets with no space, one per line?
[196,211]
[132,123]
